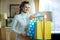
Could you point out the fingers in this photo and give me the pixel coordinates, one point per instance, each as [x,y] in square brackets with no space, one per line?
[32,17]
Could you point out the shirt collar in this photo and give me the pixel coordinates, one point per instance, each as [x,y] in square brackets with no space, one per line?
[24,13]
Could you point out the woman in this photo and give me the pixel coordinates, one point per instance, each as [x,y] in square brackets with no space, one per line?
[20,22]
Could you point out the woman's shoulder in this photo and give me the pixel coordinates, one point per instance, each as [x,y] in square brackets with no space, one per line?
[16,16]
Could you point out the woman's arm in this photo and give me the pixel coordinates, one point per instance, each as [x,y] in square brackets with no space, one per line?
[14,25]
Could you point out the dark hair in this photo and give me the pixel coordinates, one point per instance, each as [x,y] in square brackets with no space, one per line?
[22,5]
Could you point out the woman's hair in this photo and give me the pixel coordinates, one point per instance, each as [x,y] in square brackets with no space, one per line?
[22,5]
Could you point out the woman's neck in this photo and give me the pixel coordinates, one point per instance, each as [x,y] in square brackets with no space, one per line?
[24,13]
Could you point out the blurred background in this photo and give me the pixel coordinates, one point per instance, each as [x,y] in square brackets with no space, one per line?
[9,8]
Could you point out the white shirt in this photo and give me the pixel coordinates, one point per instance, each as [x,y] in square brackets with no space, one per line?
[19,24]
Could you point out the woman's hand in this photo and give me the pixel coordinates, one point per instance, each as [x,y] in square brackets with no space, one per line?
[24,36]
[32,17]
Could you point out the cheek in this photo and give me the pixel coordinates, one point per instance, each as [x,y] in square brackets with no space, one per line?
[26,9]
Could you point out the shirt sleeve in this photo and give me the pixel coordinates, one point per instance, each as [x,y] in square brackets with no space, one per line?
[14,25]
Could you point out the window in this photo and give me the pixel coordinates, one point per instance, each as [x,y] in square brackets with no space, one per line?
[54,7]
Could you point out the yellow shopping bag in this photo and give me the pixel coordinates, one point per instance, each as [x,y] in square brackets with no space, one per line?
[43,30]
[47,29]
[39,29]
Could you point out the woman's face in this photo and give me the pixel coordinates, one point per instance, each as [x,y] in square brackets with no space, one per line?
[26,8]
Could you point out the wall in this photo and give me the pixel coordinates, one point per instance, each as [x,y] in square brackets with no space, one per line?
[5,5]
[0,6]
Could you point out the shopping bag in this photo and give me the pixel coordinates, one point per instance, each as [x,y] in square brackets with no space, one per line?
[43,30]
[47,30]
[39,30]
[31,28]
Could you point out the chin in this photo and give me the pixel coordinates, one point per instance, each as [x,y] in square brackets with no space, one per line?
[26,12]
